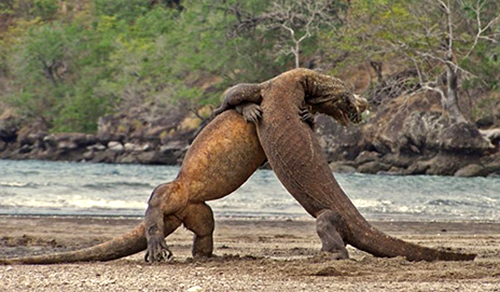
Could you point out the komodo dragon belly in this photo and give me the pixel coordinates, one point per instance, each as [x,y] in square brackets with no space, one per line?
[222,157]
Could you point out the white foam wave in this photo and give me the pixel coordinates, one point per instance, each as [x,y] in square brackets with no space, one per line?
[369,204]
[14,184]
[75,204]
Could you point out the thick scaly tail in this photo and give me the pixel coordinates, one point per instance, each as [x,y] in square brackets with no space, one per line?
[367,238]
[122,246]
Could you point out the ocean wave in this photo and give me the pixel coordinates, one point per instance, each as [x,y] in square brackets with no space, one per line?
[15,184]
[88,204]
[111,185]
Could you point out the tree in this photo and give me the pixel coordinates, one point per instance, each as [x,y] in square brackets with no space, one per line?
[446,42]
[301,20]
[462,26]
[293,22]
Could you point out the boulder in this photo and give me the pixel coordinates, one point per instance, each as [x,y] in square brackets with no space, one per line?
[115,146]
[339,142]
[367,156]
[470,170]
[419,125]
[339,167]
[373,167]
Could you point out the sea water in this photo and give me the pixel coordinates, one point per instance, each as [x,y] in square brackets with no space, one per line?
[87,189]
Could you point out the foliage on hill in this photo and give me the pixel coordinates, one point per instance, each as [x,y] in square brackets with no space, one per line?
[70,62]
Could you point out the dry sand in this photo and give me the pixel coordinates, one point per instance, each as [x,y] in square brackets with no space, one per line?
[252,256]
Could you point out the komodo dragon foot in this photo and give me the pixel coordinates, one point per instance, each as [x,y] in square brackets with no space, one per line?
[158,250]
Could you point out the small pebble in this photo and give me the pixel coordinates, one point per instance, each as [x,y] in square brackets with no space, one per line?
[195,289]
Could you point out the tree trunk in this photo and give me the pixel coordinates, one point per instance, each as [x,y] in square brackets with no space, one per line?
[452,94]
[296,53]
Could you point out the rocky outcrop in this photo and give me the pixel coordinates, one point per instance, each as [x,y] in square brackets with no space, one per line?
[120,139]
[415,135]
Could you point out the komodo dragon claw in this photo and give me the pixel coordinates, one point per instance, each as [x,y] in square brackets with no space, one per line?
[159,251]
[307,117]
[251,112]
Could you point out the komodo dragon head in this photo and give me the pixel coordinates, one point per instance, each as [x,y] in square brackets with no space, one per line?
[344,108]
[329,95]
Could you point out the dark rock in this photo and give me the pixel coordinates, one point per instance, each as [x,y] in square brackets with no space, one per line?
[465,138]
[88,156]
[420,167]
[339,142]
[128,159]
[419,125]
[373,167]
[339,167]
[367,156]
[394,170]
[443,163]
[153,157]
[25,149]
[485,121]
[400,160]
[8,128]
[69,141]
[104,157]
[470,170]
[492,168]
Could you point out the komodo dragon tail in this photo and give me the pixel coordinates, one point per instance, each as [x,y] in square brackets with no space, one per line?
[360,234]
[122,246]
[367,238]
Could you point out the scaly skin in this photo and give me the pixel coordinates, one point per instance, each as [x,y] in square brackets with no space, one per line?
[304,171]
[220,159]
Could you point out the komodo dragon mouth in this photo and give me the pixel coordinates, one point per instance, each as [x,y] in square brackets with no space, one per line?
[344,109]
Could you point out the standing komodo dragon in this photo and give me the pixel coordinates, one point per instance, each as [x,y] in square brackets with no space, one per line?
[220,159]
[297,159]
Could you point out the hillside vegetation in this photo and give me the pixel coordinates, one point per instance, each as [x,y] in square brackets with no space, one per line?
[65,63]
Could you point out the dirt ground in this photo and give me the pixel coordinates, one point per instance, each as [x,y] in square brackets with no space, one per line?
[252,255]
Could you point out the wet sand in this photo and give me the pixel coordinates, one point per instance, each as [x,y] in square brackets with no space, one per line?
[252,255]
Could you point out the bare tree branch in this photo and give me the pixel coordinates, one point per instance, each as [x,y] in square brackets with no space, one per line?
[480,29]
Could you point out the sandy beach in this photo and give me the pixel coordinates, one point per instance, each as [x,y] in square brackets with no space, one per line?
[252,255]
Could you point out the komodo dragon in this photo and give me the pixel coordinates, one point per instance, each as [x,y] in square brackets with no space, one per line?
[220,159]
[297,159]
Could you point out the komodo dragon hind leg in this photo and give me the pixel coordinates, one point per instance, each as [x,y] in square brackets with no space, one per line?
[196,217]
[331,231]
[199,218]
[238,94]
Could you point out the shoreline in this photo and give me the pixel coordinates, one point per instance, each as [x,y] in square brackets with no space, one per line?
[265,218]
[251,255]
